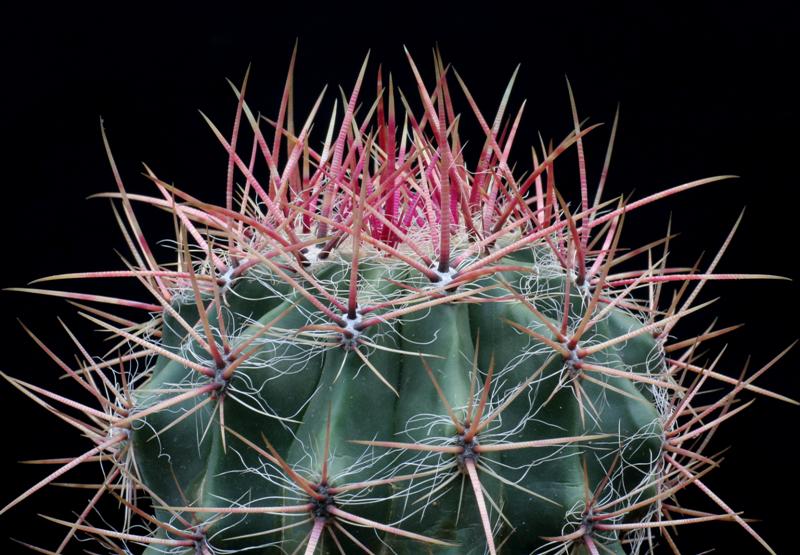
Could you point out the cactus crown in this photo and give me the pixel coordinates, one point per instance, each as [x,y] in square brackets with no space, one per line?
[378,345]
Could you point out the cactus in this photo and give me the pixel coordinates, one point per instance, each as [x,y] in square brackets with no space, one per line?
[377,345]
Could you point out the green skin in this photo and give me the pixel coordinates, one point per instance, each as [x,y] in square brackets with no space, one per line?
[332,387]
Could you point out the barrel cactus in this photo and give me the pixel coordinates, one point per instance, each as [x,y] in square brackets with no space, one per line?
[377,345]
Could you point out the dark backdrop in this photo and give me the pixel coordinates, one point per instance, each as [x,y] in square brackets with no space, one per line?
[704,90]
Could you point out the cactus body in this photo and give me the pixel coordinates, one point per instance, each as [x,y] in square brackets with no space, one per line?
[307,392]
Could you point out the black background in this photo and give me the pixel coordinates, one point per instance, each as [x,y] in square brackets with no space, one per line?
[704,90]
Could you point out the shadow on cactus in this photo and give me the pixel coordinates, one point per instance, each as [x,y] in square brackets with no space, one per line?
[377,345]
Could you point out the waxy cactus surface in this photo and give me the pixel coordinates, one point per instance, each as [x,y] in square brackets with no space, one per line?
[380,345]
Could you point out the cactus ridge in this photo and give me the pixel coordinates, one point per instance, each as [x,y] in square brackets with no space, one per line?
[379,345]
